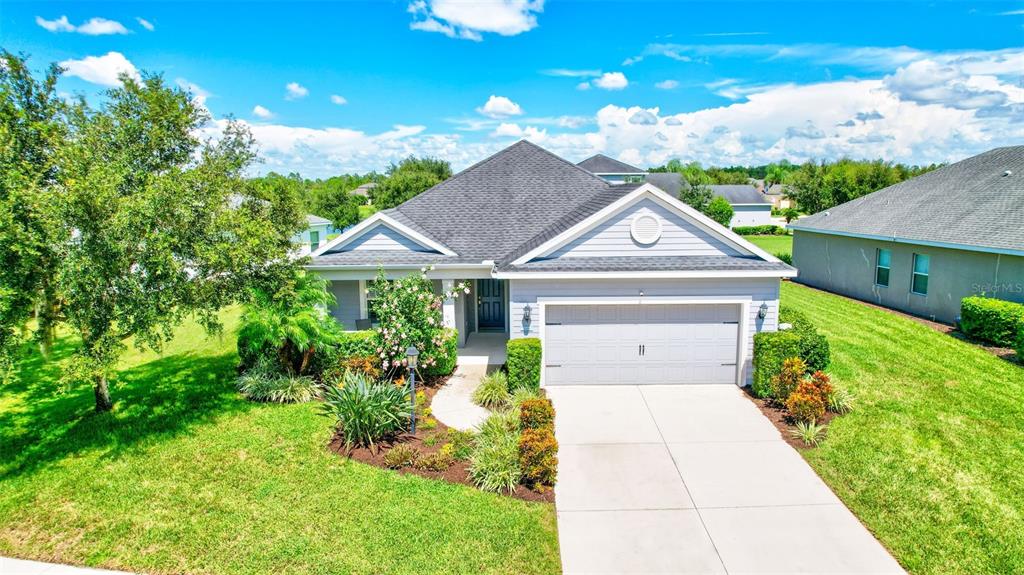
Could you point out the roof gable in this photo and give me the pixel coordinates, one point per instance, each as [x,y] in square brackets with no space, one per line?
[383,233]
[602,164]
[972,204]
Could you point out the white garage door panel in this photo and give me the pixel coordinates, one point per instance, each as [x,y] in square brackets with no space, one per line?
[600,344]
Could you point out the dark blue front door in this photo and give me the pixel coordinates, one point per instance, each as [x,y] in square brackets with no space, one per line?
[490,303]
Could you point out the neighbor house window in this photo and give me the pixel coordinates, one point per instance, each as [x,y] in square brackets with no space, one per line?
[919,282]
[314,240]
[882,261]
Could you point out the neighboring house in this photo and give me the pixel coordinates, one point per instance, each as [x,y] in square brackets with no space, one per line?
[315,234]
[623,283]
[749,206]
[612,170]
[922,245]
[366,191]
[776,194]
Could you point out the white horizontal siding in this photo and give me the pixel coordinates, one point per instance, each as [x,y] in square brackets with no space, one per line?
[758,290]
[346,308]
[751,216]
[383,238]
[679,237]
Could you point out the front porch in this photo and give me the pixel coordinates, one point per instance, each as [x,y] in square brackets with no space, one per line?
[483,348]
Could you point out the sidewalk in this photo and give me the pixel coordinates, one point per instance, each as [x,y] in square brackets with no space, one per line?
[10,566]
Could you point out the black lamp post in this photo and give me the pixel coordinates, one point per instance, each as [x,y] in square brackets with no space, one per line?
[411,354]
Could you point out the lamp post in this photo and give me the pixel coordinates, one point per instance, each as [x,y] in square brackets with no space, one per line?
[411,354]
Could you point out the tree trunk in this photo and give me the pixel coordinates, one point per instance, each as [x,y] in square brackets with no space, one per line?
[102,392]
[305,360]
[47,316]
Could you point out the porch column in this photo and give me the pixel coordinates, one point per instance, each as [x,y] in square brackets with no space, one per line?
[448,308]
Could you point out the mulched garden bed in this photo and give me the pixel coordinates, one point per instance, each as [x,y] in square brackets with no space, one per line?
[782,421]
[458,472]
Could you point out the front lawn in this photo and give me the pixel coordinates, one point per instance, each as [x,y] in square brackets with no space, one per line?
[932,457]
[774,245]
[186,476]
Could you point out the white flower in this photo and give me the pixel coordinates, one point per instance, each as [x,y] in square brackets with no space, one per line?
[467,290]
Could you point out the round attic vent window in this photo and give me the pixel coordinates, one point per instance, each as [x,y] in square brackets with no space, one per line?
[645,229]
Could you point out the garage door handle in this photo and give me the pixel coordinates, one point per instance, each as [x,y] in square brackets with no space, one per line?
[724,364]
[549,365]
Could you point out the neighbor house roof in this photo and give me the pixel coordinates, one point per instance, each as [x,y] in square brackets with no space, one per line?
[317,220]
[739,193]
[364,190]
[977,203]
[669,182]
[602,164]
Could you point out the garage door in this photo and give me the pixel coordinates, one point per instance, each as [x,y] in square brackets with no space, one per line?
[640,344]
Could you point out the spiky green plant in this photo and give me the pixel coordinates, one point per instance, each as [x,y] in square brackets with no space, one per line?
[811,434]
[492,392]
[840,401]
[366,411]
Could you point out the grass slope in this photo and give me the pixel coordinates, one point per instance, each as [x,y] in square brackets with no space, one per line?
[932,459]
[185,476]
[772,244]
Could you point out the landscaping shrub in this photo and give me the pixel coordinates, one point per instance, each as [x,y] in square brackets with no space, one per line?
[492,392]
[366,411]
[330,364]
[805,403]
[790,376]
[808,432]
[766,230]
[522,394]
[461,443]
[840,401]
[720,210]
[992,320]
[445,356]
[814,347]
[538,456]
[787,258]
[822,384]
[401,455]
[494,463]
[537,414]
[523,363]
[771,349]
[437,461]
[264,383]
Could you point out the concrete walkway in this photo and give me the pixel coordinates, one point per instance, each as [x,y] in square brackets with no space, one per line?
[693,479]
[453,404]
[10,566]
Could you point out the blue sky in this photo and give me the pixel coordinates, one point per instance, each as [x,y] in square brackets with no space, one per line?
[721,83]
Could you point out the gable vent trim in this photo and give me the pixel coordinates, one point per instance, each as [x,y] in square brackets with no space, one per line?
[645,228]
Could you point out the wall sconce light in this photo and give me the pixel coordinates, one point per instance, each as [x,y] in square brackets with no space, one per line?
[762,311]
[526,314]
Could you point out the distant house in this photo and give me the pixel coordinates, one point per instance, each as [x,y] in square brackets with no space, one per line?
[366,191]
[922,245]
[315,234]
[750,207]
[776,194]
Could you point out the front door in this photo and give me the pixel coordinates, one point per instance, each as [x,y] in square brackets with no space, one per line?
[490,302]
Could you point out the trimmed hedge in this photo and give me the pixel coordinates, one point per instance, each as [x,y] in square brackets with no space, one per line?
[996,321]
[352,344]
[447,355]
[814,348]
[771,348]
[769,230]
[523,363]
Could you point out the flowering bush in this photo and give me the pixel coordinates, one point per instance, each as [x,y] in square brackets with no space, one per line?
[410,315]
[786,381]
[805,403]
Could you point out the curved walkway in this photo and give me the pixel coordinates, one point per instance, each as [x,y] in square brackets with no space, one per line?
[453,404]
[693,479]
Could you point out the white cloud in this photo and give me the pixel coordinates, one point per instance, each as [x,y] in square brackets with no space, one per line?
[468,20]
[339,100]
[568,73]
[198,93]
[612,81]
[643,118]
[500,107]
[91,27]
[667,85]
[511,130]
[261,112]
[1012,13]
[102,70]
[295,91]
[583,86]
[145,24]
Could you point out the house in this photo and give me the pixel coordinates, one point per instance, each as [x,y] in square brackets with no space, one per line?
[776,194]
[315,234]
[622,283]
[365,191]
[922,245]
[749,206]
[612,170]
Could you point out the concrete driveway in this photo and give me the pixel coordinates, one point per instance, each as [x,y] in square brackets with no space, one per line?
[693,479]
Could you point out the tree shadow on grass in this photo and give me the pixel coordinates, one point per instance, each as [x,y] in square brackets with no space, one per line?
[161,398]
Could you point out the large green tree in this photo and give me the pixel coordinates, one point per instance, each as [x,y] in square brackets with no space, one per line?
[163,226]
[817,186]
[409,178]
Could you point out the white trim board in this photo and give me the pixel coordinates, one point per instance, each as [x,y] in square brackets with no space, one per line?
[647,190]
[381,218]
[898,240]
[676,274]
[743,302]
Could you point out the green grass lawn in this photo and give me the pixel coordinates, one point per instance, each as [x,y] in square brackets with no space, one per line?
[186,477]
[772,244]
[932,459]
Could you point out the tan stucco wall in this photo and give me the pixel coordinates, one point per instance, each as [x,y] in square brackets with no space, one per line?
[846,266]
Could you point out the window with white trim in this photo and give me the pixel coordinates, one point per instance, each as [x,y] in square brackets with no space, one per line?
[919,278]
[314,240]
[883,261]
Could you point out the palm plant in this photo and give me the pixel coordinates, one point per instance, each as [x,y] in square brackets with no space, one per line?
[294,322]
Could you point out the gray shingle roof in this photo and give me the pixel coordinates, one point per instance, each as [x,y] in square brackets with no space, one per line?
[316,220]
[649,263]
[388,257]
[669,182]
[739,193]
[970,203]
[602,164]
